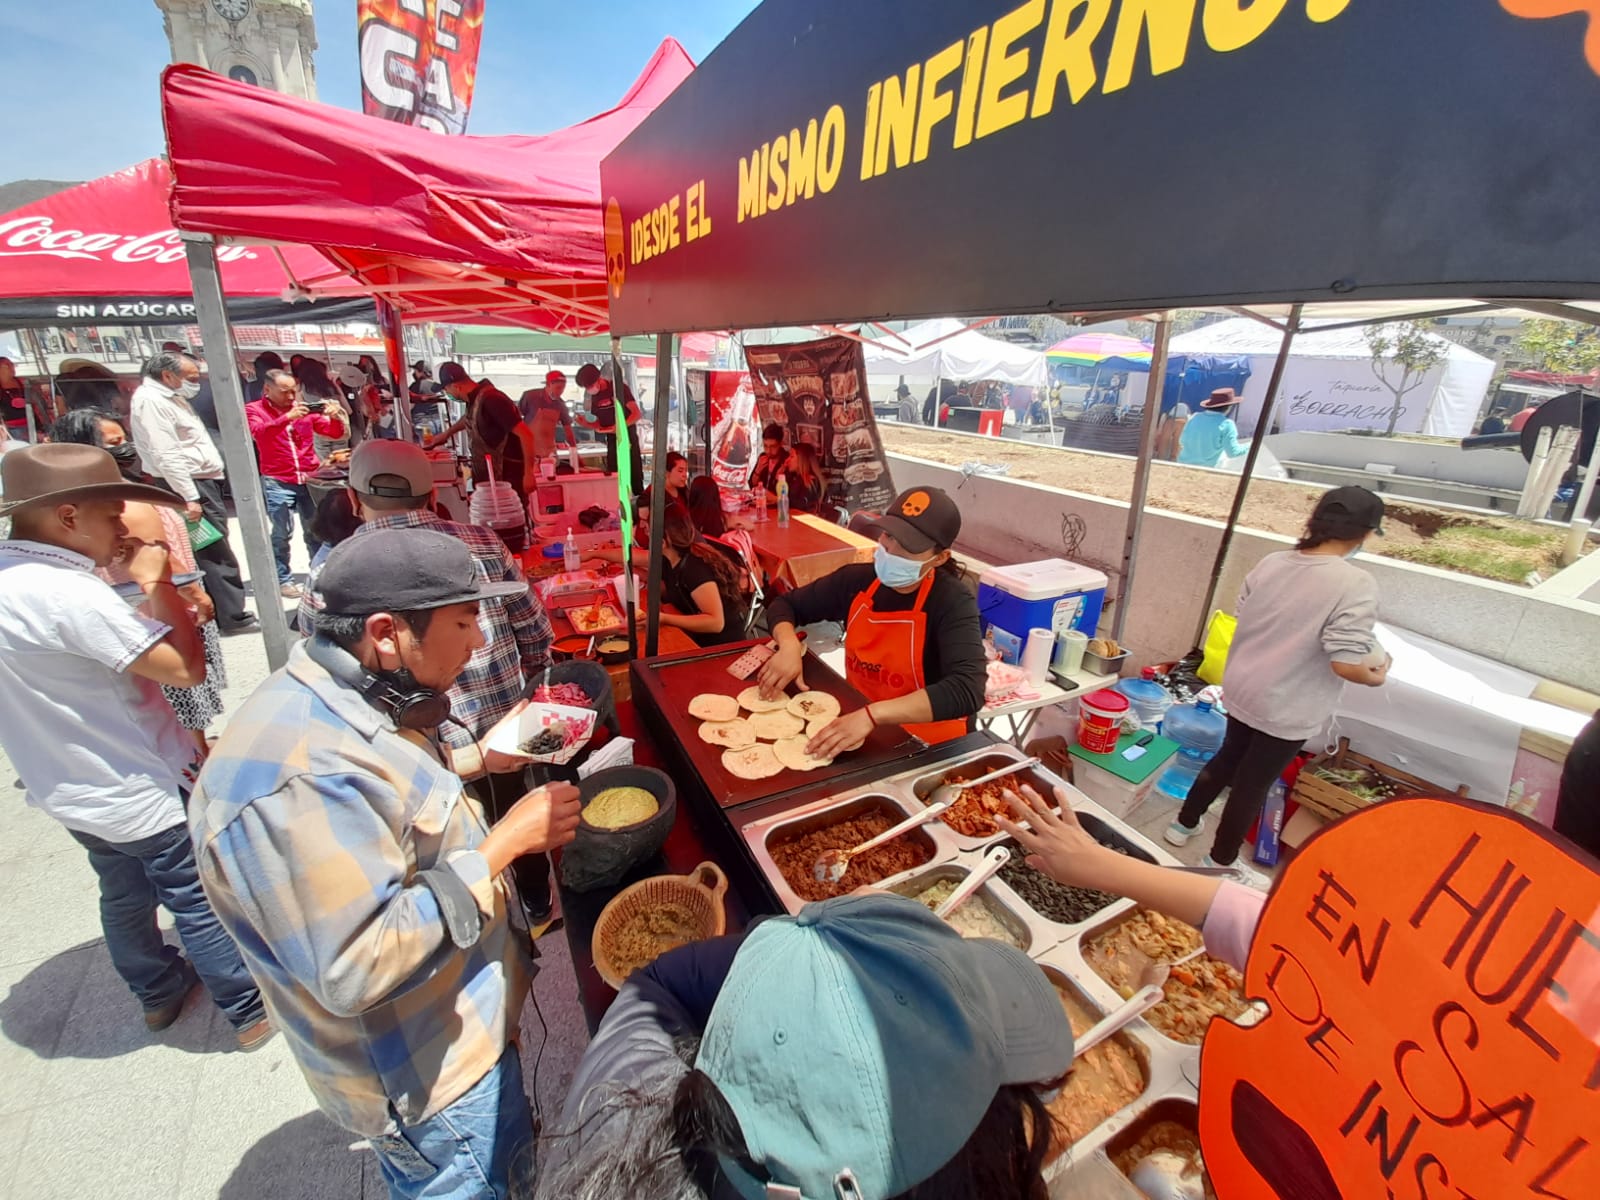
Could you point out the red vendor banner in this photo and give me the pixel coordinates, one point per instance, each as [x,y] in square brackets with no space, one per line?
[419,60]
[724,407]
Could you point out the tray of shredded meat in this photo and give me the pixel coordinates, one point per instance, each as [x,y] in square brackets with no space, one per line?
[1196,992]
[1102,1083]
[787,845]
[971,817]
[1170,1130]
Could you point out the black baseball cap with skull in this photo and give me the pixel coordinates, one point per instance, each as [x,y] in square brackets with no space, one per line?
[921,519]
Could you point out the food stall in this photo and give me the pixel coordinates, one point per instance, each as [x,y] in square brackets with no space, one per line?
[835,163]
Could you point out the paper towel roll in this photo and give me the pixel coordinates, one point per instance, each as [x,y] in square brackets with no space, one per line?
[1036,654]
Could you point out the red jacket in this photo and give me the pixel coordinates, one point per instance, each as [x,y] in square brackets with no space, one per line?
[285,448]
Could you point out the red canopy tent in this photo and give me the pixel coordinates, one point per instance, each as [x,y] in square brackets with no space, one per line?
[505,230]
[105,252]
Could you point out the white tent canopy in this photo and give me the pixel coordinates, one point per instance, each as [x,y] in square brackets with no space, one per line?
[944,348]
[1329,383]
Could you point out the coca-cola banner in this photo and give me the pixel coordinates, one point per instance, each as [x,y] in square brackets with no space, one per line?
[818,392]
[105,252]
[733,436]
[419,60]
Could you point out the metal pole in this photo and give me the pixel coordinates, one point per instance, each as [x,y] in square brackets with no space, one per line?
[625,485]
[1141,470]
[237,449]
[392,327]
[1578,530]
[1263,424]
[658,495]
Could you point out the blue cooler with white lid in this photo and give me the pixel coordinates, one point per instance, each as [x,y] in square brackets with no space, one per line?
[1051,594]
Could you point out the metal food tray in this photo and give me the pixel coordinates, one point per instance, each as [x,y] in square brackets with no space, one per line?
[1164,1074]
[1036,934]
[1092,1175]
[1102,991]
[827,811]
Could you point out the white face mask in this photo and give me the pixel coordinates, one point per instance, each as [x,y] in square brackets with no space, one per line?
[189,389]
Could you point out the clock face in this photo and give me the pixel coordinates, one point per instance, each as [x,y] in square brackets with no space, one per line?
[232,10]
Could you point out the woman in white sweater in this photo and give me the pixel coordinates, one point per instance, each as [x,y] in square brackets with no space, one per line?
[1305,630]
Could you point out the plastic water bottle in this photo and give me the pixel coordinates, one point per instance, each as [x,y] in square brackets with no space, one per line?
[783,500]
[1198,731]
[570,558]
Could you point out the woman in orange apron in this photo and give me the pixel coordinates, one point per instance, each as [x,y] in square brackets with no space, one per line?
[912,641]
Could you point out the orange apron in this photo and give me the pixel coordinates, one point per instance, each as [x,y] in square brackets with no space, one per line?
[883,657]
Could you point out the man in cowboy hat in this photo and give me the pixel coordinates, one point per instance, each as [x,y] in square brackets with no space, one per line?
[85,724]
[1210,434]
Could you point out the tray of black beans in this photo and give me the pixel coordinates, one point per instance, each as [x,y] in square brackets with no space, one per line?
[1061,902]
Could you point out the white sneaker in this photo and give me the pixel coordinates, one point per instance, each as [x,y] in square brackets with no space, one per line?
[1247,874]
[1178,834]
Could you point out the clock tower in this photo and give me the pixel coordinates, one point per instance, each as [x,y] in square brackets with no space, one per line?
[265,42]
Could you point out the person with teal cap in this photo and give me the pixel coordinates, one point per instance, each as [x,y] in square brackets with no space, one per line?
[861,1050]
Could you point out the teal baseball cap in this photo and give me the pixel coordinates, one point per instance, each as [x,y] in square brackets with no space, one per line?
[865,1036]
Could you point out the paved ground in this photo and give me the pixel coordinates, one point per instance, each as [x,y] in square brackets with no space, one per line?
[91,1105]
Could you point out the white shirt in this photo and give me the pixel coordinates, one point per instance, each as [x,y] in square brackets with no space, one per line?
[97,748]
[172,441]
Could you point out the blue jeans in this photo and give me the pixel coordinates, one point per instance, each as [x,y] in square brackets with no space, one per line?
[479,1146]
[135,877]
[283,501]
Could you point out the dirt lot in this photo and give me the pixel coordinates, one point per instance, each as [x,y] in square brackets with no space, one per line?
[1494,548]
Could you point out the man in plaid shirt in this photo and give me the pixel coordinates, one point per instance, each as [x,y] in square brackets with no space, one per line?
[392,486]
[364,889]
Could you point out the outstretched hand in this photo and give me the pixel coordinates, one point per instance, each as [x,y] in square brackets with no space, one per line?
[1056,844]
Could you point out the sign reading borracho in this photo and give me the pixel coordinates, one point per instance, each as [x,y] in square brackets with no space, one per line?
[959,156]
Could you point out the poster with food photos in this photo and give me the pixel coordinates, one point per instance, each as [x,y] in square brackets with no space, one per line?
[818,392]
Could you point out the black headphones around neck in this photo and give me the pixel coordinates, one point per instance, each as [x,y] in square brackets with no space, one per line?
[410,707]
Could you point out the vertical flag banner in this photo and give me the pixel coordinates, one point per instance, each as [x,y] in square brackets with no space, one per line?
[419,60]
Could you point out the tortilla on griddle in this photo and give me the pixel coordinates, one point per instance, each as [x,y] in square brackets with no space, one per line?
[714,706]
[735,734]
[770,726]
[751,762]
[811,705]
[791,752]
[751,699]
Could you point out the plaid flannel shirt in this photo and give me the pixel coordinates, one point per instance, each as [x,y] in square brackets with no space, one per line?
[312,821]
[516,632]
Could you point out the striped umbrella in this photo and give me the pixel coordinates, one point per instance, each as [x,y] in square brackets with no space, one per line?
[1087,349]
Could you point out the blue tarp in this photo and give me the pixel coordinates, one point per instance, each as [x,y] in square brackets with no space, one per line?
[1190,377]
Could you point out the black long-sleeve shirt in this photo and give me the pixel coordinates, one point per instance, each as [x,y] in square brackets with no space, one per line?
[953,666]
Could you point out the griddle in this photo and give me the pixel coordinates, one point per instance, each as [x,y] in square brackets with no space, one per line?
[663,687]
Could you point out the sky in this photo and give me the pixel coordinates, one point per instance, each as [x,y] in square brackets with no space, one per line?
[81,76]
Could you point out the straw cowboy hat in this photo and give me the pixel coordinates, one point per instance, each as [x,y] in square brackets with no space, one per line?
[1221,398]
[68,473]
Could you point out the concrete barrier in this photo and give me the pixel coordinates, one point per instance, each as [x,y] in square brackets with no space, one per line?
[1010,520]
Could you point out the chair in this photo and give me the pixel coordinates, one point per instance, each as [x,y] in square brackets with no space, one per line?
[739,547]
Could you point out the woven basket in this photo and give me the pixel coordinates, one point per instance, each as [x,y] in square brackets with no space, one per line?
[700,892]
[1328,799]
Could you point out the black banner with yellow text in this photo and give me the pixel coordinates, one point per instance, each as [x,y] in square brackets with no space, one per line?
[955,156]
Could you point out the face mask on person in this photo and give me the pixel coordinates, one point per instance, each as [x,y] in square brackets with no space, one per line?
[189,389]
[894,571]
[125,453]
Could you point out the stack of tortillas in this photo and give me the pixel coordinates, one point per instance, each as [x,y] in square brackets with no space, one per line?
[774,735]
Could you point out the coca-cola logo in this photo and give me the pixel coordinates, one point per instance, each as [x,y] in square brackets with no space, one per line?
[38,237]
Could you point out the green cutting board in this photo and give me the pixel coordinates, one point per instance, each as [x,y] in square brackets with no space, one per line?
[1157,755]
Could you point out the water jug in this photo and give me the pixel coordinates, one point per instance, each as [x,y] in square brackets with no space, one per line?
[1198,731]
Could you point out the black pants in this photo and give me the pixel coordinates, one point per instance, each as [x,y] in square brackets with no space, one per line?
[223,581]
[497,794]
[1248,763]
[635,456]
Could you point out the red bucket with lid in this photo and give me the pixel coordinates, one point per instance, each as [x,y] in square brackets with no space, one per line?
[1100,720]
